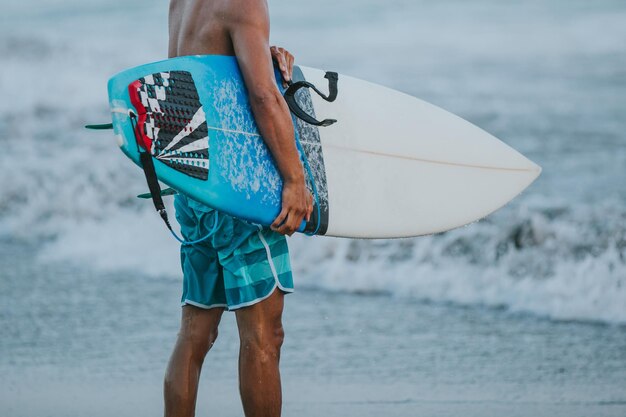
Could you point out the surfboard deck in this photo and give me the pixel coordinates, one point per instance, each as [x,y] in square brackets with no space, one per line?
[392,166]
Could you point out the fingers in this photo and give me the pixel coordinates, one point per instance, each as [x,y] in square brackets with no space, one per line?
[282,64]
[287,227]
[296,222]
[290,59]
[290,222]
[283,224]
[284,71]
[279,56]
[285,61]
[296,205]
[309,208]
[280,219]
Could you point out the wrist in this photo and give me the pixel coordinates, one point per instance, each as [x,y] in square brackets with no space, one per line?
[294,178]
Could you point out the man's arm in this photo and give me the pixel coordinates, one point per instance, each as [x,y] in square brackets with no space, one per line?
[249,32]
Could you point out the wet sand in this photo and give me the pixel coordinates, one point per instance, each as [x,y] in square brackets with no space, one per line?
[81,343]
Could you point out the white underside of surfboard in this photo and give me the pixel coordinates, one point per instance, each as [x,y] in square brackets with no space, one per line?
[398,166]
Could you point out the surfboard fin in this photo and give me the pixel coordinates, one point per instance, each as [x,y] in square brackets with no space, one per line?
[167,191]
[104,126]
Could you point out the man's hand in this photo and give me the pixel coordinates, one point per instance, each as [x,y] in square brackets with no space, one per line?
[297,200]
[284,59]
[250,38]
[297,205]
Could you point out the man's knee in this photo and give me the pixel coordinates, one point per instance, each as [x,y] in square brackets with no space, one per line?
[198,331]
[264,342]
[199,341]
[278,336]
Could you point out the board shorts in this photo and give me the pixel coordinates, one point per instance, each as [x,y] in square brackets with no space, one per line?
[239,265]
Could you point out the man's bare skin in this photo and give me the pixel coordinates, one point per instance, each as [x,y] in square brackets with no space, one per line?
[240,28]
[261,336]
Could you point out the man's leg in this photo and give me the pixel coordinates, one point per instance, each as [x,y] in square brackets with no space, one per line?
[261,336]
[198,331]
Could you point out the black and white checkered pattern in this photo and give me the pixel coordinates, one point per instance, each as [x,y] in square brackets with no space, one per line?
[175,122]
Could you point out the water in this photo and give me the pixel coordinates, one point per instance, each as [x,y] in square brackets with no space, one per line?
[527,307]
[344,354]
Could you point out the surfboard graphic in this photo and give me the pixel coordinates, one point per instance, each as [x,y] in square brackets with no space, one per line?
[171,121]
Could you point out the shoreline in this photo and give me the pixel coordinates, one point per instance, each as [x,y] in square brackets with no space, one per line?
[344,354]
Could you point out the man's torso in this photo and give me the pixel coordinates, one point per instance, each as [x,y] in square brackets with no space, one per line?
[199,27]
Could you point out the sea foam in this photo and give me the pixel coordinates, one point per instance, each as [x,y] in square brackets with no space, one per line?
[558,251]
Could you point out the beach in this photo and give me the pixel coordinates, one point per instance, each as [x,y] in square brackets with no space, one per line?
[520,314]
[344,354]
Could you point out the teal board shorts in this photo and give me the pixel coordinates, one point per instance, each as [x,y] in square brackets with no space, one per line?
[238,266]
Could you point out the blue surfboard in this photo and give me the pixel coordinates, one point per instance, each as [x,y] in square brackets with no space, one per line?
[193,116]
[393,165]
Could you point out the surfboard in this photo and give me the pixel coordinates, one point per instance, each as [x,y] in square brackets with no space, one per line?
[390,166]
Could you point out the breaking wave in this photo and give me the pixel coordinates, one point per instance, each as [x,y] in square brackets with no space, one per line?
[558,251]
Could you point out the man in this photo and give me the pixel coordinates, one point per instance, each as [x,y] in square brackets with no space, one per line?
[241,267]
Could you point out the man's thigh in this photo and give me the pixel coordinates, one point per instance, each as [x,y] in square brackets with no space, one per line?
[199,324]
[262,317]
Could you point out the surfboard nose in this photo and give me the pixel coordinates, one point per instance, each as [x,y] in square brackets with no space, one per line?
[537,169]
[534,169]
[535,173]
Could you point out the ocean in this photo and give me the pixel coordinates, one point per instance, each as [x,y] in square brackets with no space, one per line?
[522,313]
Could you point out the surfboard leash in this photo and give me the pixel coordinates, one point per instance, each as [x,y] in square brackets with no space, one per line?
[155,189]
